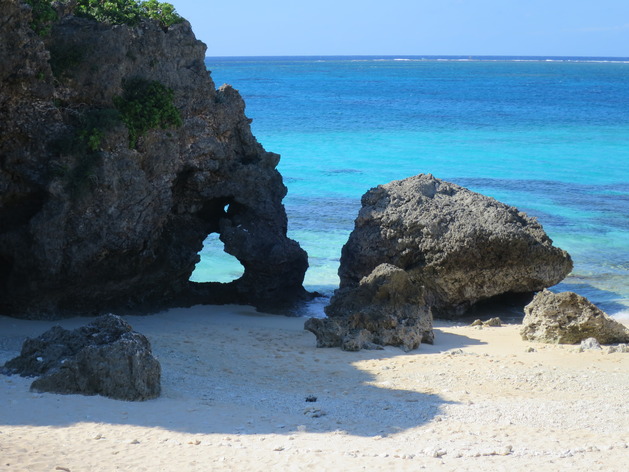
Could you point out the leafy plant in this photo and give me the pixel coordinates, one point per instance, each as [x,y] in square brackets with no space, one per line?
[144,105]
[43,15]
[94,124]
[116,12]
[165,13]
[84,143]
[88,130]
[128,12]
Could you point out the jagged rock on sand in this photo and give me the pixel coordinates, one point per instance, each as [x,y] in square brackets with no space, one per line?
[490,323]
[590,344]
[384,309]
[568,318]
[622,348]
[105,357]
[458,246]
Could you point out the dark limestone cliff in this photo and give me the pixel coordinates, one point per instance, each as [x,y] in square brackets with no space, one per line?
[90,222]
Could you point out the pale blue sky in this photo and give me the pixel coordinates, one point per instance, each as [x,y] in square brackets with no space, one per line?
[410,27]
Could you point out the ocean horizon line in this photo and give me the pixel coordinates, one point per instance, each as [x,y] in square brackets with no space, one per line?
[427,57]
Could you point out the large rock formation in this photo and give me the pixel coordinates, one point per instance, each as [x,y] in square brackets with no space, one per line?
[568,318]
[384,309]
[458,247]
[106,358]
[93,220]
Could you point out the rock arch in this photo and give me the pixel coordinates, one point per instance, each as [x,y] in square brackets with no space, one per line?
[129,240]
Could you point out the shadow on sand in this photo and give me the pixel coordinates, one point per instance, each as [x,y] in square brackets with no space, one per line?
[252,375]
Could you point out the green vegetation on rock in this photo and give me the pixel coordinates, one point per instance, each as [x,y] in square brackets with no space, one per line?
[94,124]
[89,128]
[144,105]
[128,12]
[43,15]
[116,12]
[163,12]
[84,144]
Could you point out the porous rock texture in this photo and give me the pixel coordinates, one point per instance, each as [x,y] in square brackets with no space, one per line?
[458,246]
[384,309]
[568,318]
[106,358]
[119,228]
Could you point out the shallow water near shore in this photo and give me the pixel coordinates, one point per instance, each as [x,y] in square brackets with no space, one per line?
[550,137]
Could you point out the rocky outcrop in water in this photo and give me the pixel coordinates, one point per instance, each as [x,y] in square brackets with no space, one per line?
[456,246]
[96,215]
[106,358]
[385,309]
[568,318]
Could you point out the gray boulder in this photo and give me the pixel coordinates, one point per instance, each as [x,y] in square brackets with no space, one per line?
[568,318]
[385,308]
[624,348]
[590,344]
[106,357]
[460,246]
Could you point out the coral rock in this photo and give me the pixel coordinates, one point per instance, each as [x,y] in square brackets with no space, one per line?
[458,246]
[568,318]
[384,309]
[106,357]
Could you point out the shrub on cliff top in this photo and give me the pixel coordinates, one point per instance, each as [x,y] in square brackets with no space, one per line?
[163,12]
[144,105]
[117,12]
[128,12]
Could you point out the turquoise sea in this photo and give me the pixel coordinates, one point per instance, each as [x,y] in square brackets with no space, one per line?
[547,135]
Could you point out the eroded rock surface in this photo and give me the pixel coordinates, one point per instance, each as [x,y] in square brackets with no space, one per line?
[90,223]
[458,246]
[385,308]
[106,358]
[568,318]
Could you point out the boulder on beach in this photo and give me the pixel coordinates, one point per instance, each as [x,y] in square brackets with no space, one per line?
[383,309]
[568,318]
[457,247]
[105,357]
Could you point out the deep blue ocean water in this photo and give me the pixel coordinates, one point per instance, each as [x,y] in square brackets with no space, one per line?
[547,135]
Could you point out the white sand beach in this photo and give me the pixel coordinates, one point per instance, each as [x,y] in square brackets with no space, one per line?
[235,384]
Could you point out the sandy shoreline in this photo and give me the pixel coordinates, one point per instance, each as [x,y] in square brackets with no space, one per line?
[235,384]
